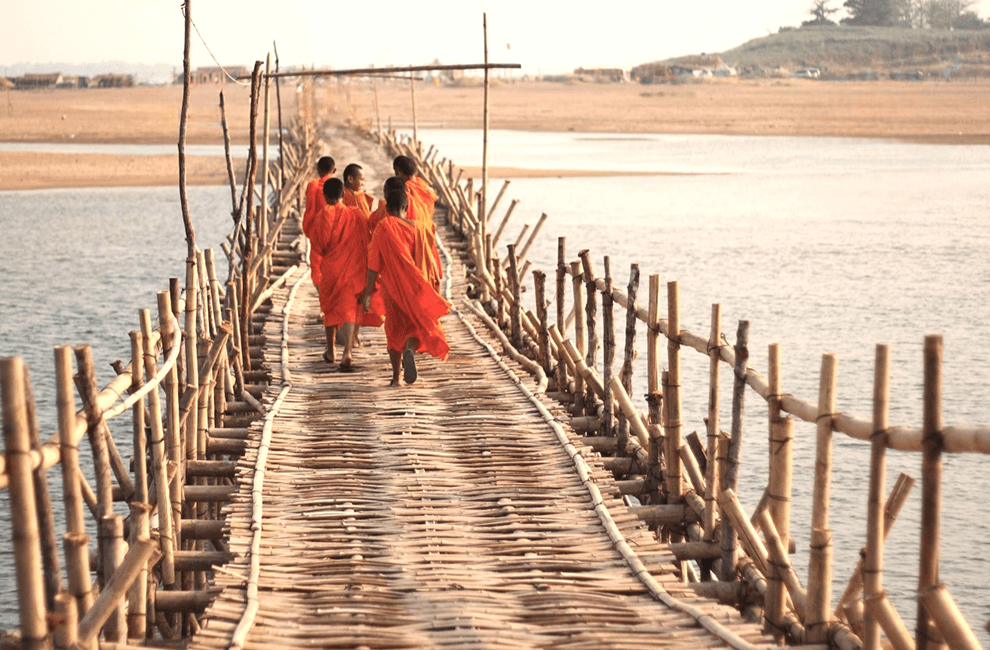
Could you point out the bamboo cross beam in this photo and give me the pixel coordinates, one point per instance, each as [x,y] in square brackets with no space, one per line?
[389,71]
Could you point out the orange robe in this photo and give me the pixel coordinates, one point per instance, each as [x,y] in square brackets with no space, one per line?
[422,200]
[413,308]
[360,200]
[341,237]
[314,208]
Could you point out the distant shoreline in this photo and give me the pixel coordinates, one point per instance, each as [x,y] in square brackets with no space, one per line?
[920,112]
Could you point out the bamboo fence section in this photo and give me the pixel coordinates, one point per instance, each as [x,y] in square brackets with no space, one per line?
[192,385]
[650,461]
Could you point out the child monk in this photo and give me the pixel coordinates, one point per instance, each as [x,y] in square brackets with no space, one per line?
[399,255]
[325,167]
[341,237]
[422,200]
[354,195]
[392,183]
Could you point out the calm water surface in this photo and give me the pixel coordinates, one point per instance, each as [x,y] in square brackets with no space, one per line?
[823,245]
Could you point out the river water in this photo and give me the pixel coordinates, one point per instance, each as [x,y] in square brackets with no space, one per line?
[822,244]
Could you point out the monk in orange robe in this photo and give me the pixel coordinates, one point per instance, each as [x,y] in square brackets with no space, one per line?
[392,183]
[341,236]
[325,167]
[422,200]
[399,255]
[354,194]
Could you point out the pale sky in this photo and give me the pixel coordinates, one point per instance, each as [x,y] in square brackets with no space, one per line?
[545,37]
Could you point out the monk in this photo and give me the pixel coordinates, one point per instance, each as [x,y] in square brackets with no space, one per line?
[399,254]
[354,194]
[341,238]
[392,183]
[325,167]
[422,200]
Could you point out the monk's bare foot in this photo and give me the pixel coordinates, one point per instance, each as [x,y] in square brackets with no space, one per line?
[394,382]
[329,356]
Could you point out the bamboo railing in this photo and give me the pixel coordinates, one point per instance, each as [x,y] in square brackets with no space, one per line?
[192,385]
[687,491]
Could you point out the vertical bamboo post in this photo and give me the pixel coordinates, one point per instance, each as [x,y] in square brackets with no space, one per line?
[778,488]
[579,333]
[712,472]
[137,598]
[68,620]
[931,487]
[893,626]
[873,569]
[729,534]
[186,78]
[608,349]
[515,309]
[263,221]
[43,504]
[653,363]
[138,423]
[112,530]
[483,209]
[378,113]
[672,428]
[412,91]
[561,318]
[539,284]
[626,374]
[591,309]
[75,541]
[820,562]
[159,459]
[499,289]
[27,548]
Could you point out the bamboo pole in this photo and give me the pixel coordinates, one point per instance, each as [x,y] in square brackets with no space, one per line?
[112,530]
[729,534]
[131,566]
[947,618]
[68,620]
[505,221]
[778,557]
[890,621]
[263,220]
[183,119]
[561,296]
[138,420]
[778,487]
[712,471]
[515,307]
[43,504]
[748,536]
[820,558]
[498,199]
[672,428]
[26,542]
[629,352]
[415,122]
[608,348]
[137,598]
[159,460]
[539,285]
[653,364]
[591,312]
[873,571]
[75,541]
[281,131]
[483,201]
[931,488]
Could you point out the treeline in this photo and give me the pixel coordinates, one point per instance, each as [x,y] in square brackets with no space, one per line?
[917,14]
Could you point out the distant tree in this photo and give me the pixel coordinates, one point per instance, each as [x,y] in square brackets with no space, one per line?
[869,12]
[969,20]
[820,12]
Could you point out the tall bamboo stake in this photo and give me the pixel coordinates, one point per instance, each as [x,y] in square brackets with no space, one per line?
[483,208]
[539,286]
[43,504]
[186,77]
[579,334]
[112,530]
[931,488]
[653,351]
[591,310]
[947,618]
[235,212]
[505,221]
[27,548]
[712,472]
[75,541]
[820,561]
[266,169]
[629,354]
[672,427]
[873,571]
[729,534]
[608,348]
[138,422]
[378,114]
[515,308]
[561,319]
[779,487]
[281,142]
[412,90]
[68,617]
[137,599]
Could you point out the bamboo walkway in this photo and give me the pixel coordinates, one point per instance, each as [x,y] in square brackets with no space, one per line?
[445,514]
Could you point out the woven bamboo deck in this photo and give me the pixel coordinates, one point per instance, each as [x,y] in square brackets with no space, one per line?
[444,514]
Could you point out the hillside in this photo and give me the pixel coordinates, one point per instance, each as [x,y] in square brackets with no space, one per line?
[843,52]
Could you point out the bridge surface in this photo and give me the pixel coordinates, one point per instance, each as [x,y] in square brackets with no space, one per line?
[453,513]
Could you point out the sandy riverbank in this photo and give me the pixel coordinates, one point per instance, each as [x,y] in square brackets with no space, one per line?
[930,112]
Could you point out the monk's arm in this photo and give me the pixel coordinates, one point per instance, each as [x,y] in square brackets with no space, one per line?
[368,289]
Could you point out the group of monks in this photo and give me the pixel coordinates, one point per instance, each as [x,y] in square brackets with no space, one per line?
[376,267]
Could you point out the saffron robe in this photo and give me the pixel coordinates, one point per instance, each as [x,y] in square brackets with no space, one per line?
[400,254]
[360,200]
[315,202]
[422,201]
[341,237]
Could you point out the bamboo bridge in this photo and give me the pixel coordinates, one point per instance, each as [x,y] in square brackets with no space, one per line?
[516,496]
